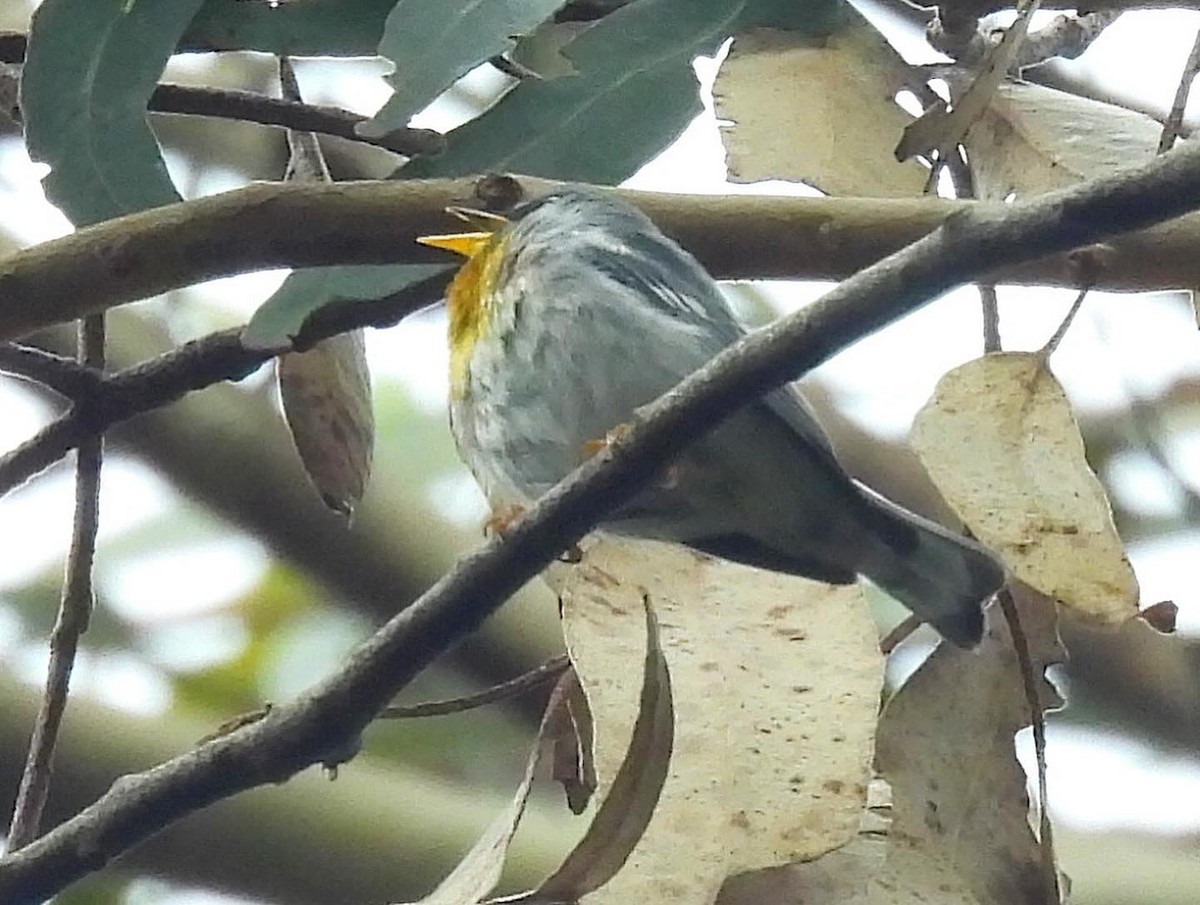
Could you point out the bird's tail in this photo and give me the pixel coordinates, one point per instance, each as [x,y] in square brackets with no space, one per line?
[943,578]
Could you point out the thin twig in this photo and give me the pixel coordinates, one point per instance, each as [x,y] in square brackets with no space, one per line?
[963,179]
[319,726]
[63,375]
[1029,681]
[73,615]
[1052,343]
[194,366]
[989,302]
[306,162]
[258,108]
[271,111]
[1173,125]
[535,678]
[511,68]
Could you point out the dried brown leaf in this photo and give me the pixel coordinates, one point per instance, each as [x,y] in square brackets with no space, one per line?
[941,130]
[477,874]
[573,767]
[776,682]
[629,802]
[1000,442]
[1033,139]
[821,111]
[946,747]
[617,825]
[326,395]
[869,870]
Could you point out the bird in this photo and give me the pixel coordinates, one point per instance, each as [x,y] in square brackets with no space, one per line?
[572,312]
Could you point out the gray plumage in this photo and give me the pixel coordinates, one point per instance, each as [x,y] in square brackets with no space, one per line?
[604,314]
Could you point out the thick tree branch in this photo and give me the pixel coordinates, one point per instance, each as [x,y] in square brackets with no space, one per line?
[324,723]
[738,237]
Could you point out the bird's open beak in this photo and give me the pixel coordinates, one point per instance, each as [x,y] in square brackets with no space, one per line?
[467,244]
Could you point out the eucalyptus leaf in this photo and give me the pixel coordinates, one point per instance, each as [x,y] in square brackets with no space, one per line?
[635,91]
[636,62]
[280,317]
[89,71]
[434,43]
[342,28]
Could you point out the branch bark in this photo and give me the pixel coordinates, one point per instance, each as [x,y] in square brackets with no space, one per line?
[75,611]
[388,831]
[736,237]
[325,723]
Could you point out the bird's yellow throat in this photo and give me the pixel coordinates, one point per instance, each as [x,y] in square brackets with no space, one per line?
[469,295]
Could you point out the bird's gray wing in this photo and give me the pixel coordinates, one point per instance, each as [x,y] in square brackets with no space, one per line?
[657,268]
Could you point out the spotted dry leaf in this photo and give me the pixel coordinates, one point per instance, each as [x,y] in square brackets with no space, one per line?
[776,684]
[816,110]
[1000,442]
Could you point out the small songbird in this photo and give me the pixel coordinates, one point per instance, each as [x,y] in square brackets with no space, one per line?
[575,311]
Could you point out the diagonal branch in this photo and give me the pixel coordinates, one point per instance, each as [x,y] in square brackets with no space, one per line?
[323,725]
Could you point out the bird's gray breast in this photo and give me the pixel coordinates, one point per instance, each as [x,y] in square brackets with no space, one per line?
[569,356]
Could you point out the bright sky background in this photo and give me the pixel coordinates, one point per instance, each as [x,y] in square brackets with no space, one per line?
[1118,346]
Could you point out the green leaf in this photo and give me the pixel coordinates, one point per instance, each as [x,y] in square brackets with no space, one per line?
[342,28]
[280,317]
[634,93]
[632,66]
[89,72]
[433,44]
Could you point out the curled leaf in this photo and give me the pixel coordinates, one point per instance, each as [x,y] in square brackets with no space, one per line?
[940,130]
[631,798]
[326,395]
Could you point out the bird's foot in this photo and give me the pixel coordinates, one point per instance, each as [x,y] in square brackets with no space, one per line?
[500,522]
[592,447]
[668,481]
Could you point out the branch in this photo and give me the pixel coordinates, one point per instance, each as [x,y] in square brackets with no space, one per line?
[1066,37]
[63,375]
[193,366]
[324,724]
[74,613]
[1173,125]
[735,237]
[258,108]
[295,115]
